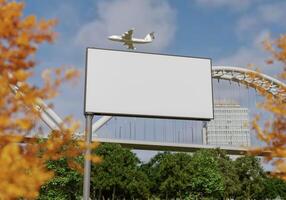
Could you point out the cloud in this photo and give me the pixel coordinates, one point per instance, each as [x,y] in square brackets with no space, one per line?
[252,28]
[117,16]
[252,54]
[248,54]
[263,15]
[233,4]
[273,13]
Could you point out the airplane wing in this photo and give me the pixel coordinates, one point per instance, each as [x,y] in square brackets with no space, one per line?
[130,45]
[127,35]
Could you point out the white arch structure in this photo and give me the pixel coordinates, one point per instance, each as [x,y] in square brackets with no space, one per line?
[251,78]
[243,76]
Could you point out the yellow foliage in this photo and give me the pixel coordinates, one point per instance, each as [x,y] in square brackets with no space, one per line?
[22,160]
[22,175]
[274,131]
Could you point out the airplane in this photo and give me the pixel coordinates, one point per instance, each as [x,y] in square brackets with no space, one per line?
[129,41]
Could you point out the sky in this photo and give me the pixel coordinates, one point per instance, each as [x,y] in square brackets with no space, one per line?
[229,32]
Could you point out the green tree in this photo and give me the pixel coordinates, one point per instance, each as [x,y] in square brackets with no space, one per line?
[173,175]
[206,178]
[207,174]
[273,188]
[228,171]
[66,184]
[151,169]
[118,175]
[137,184]
[251,177]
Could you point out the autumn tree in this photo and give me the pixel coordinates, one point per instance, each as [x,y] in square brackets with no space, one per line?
[274,131]
[22,162]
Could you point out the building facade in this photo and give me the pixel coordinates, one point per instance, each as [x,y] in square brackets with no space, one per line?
[230,126]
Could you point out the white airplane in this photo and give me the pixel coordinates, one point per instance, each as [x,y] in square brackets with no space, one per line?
[128,40]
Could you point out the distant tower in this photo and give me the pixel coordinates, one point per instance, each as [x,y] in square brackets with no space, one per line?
[230,126]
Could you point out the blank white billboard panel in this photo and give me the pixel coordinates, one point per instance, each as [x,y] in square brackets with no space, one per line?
[148,85]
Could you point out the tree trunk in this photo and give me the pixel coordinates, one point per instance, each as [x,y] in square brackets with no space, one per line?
[93,193]
[113,193]
[99,194]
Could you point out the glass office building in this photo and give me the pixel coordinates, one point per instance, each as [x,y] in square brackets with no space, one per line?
[230,126]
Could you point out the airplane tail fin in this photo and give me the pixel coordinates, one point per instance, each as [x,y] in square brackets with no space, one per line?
[150,37]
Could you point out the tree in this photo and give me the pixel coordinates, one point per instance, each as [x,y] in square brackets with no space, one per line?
[23,168]
[274,188]
[66,184]
[274,132]
[171,174]
[203,175]
[151,169]
[251,177]
[206,178]
[137,184]
[227,169]
[118,175]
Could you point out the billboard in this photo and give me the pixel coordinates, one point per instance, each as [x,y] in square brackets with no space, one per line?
[122,83]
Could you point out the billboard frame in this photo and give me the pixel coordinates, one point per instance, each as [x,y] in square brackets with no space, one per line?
[146,116]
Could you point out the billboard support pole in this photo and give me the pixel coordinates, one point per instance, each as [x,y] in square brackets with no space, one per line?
[87,162]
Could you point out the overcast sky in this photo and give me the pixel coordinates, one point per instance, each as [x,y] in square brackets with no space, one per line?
[228,31]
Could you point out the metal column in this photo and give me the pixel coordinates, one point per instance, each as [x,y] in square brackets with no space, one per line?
[87,162]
